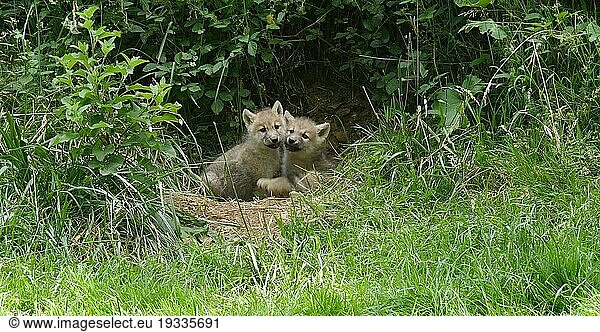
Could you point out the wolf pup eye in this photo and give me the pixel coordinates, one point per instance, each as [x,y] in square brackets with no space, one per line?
[277,125]
[291,131]
[305,136]
[263,129]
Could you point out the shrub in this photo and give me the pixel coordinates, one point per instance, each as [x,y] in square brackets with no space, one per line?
[95,182]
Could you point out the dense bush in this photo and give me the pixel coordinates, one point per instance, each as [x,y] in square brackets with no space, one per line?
[222,56]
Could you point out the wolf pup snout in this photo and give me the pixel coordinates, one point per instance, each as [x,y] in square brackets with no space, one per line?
[293,144]
[272,141]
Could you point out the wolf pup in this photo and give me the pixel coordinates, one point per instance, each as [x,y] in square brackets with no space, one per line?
[235,173]
[304,159]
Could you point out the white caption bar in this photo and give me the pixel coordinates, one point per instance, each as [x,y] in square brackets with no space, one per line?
[299,323]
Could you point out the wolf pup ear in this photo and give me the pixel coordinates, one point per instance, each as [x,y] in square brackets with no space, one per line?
[277,108]
[323,130]
[288,117]
[248,118]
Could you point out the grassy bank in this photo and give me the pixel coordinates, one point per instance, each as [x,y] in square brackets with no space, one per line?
[512,231]
[475,192]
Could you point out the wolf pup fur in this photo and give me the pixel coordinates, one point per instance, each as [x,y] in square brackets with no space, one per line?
[304,158]
[235,173]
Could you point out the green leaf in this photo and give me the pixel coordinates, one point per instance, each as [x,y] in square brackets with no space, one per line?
[100,125]
[217,66]
[487,27]
[88,13]
[167,148]
[165,118]
[532,16]
[65,137]
[138,87]
[198,28]
[135,139]
[221,24]
[135,28]
[252,46]
[225,96]
[88,24]
[135,61]
[392,85]
[149,67]
[81,47]
[69,60]
[211,93]
[450,106]
[146,164]
[473,3]
[107,45]
[562,15]
[266,56]
[249,103]
[24,80]
[192,87]
[112,165]
[100,152]
[483,59]
[593,31]
[244,93]
[473,84]
[208,68]
[145,95]
[115,69]
[217,106]
[84,93]
[101,33]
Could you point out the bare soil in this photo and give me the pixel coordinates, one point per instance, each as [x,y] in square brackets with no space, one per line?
[238,220]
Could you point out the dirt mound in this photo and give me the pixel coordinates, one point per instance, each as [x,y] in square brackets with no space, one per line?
[236,220]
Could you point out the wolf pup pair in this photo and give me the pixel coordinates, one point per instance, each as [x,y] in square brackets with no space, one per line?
[260,164]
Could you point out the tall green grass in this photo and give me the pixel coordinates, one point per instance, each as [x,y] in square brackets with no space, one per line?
[496,216]
[48,203]
[514,233]
[518,236]
[53,198]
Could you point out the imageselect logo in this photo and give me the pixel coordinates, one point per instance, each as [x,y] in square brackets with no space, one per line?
[82,324]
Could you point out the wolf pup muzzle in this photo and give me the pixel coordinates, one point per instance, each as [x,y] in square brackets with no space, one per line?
[292,144]
[272,142]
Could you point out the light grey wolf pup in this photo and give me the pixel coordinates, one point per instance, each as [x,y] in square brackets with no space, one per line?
[235,173]
[304,160]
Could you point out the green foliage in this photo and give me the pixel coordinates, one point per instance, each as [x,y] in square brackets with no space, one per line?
[487,27]
[454,105]
[385,41]
[473,3]
[222,56]
[83,159]
[450,66]
[207,49]
[106,118]
[546,70]
[513,231]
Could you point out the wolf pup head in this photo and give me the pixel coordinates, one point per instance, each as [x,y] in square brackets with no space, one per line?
[266,125]
[303,134]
